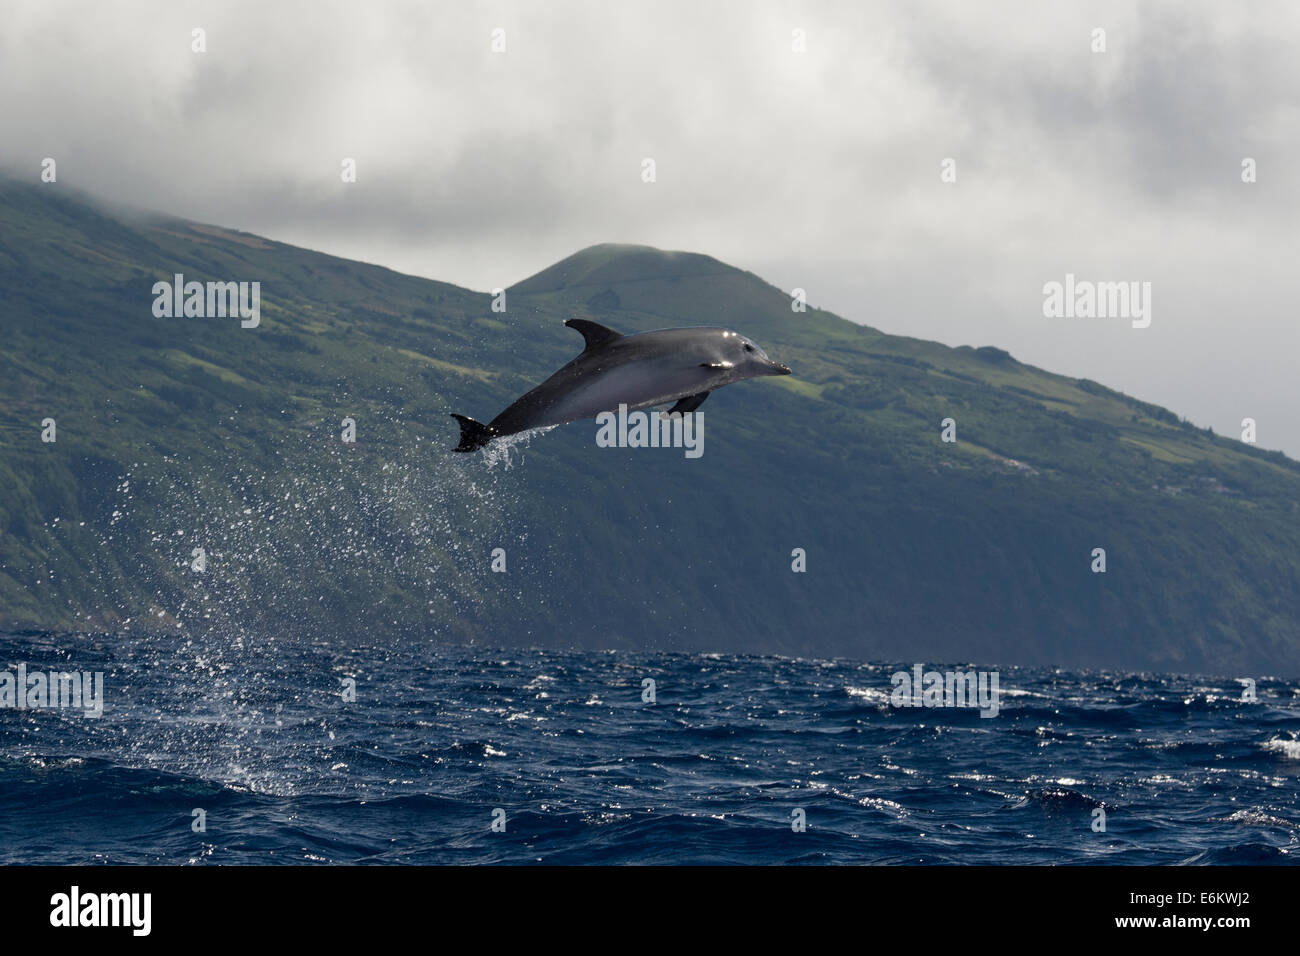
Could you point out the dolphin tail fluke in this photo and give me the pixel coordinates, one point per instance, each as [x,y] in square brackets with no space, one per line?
[473,435]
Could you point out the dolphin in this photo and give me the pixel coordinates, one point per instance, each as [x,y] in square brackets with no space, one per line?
[639,371]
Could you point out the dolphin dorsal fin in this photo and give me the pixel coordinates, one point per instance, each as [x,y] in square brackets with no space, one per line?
[595,333]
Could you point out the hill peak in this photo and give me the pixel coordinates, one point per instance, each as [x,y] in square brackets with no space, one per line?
[610,262]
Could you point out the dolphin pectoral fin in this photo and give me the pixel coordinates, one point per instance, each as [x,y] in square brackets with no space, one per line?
[594,333]
[688,404]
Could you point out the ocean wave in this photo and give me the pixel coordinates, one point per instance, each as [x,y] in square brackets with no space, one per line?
[1290,749]
[736,754]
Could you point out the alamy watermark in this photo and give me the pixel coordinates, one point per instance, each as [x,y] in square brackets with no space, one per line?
[922,688]
[129,910]
[1084,299]
[649,430]
[52,690]
[212,300]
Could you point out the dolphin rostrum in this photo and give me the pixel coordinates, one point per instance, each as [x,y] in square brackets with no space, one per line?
[639,371]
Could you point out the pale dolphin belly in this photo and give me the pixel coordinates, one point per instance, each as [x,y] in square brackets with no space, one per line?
[637,385]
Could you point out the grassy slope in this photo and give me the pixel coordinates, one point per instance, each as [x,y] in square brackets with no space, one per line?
[916,549]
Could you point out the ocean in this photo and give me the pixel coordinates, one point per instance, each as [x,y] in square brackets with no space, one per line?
[271,750]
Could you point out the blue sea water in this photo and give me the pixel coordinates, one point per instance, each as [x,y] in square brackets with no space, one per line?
[257,734]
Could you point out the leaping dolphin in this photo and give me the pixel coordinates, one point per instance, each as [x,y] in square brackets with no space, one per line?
[639,371]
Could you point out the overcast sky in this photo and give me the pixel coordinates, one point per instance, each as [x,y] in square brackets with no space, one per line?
[817,169]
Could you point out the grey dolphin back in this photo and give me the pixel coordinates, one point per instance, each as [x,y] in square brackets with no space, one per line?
[474,434]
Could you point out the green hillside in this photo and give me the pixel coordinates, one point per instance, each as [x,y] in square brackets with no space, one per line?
[180,433]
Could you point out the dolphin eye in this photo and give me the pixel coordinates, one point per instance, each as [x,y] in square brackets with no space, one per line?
[748,347]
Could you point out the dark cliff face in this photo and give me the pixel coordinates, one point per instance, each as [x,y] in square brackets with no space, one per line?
[184,433]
